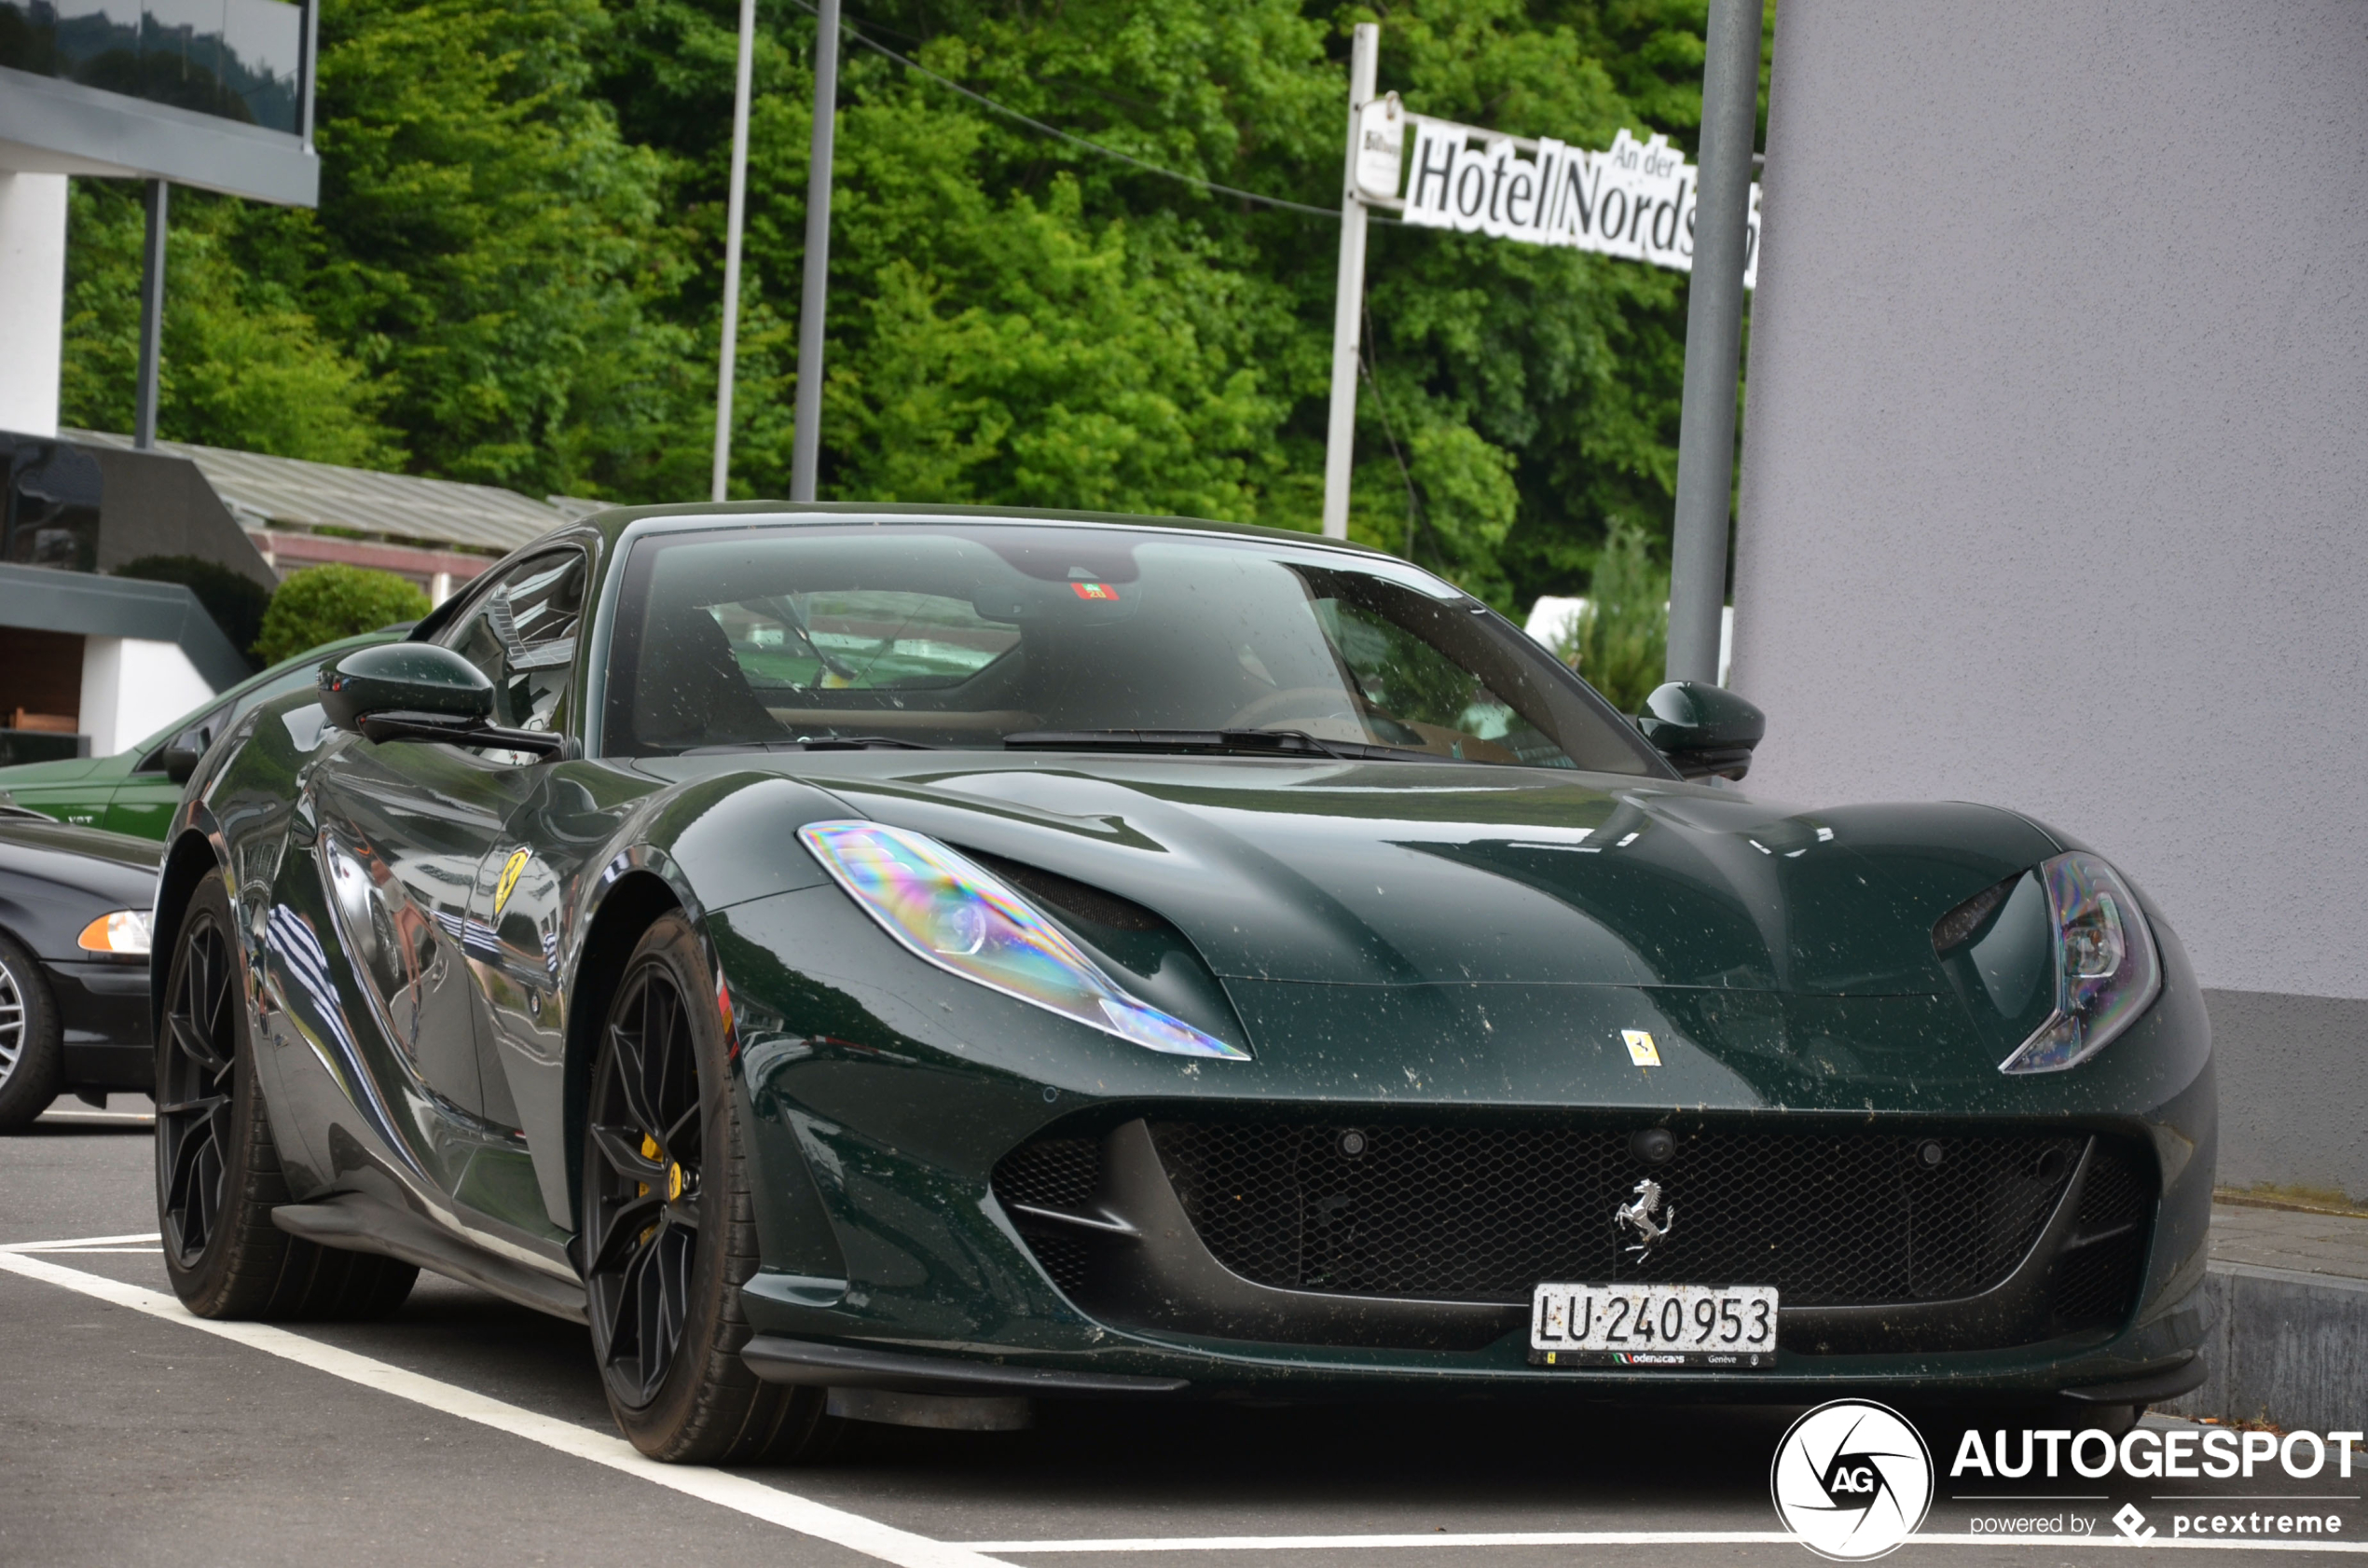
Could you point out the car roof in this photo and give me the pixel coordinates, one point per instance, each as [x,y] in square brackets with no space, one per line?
[611,524]
[614,521]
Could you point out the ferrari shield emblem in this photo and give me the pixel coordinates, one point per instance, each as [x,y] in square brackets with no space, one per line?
[1640,1049]
[510,870]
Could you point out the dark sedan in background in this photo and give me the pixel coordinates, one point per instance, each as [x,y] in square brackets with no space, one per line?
[73,963]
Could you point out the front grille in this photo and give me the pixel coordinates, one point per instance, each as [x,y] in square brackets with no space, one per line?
[1050,1173]
[1484,1213]
[1059,1173]
[2099,1275]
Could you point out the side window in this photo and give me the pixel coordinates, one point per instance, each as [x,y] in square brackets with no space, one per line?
[196,735]
[521,632]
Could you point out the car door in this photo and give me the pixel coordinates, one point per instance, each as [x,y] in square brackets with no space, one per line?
[563,811]
[522,632]
[401,830]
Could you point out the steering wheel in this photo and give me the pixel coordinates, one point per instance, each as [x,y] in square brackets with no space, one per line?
[1298,702]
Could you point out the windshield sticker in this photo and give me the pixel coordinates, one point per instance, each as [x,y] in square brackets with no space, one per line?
[1094,590]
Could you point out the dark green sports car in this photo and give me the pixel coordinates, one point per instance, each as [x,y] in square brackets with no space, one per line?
[909,964]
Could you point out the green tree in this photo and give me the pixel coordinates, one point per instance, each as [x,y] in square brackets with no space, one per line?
[468,300]
[1620,641]
[324,603]
[515,273]
[243,365]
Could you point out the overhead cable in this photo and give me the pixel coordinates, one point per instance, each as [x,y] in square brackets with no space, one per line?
[1057,134]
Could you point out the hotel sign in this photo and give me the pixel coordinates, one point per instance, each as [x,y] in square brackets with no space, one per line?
[1635,200]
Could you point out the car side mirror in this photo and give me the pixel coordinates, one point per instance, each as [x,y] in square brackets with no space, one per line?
[412,679]
[180,761]
[1704,731]
[418,691]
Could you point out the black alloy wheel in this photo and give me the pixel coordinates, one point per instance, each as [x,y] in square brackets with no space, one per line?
[218,1172]
[642,1224]
[197,1068]
[669,1233]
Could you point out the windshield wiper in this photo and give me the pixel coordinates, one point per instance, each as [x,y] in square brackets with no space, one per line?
[812,743]
[1271,743]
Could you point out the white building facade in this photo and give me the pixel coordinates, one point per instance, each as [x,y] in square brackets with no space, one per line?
[2054,484]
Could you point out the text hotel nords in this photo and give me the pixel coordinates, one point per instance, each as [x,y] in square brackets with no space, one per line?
[1635,200]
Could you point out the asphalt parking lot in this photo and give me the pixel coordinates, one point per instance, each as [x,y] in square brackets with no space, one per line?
[464,1430]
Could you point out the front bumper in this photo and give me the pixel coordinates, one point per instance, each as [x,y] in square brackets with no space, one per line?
[879,1121]
[102,1016]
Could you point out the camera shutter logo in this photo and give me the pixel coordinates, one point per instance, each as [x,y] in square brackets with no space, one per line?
[1852,1480]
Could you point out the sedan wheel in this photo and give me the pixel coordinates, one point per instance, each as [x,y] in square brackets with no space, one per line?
[218,1175]
[30,1058]
[197,1068]
[668,1238]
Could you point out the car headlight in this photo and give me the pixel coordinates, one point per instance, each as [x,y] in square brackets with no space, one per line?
[2107,968]
[954,915]
[124,931]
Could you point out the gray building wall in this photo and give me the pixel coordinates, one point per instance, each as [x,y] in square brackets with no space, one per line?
[2054,486]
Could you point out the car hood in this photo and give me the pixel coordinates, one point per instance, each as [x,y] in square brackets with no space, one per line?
[66,770]
[1413,873]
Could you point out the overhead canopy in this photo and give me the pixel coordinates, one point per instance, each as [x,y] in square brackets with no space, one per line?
[289,493]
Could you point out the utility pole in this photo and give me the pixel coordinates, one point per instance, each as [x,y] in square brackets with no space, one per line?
[144,401]
[805,451]
[734,220]
[1348,297]
[1714,337]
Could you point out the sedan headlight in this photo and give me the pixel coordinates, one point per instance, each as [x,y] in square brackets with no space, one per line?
[2107,969]
[124,931]
[953,913]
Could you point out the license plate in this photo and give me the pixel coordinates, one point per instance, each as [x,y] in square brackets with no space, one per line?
[1648,1325]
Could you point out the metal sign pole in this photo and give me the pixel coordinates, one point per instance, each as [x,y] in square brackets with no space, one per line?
[1714,337]
[735,218]
[1340,442]
[144,400]
[805,451]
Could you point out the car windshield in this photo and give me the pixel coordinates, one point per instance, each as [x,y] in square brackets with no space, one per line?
[980,635]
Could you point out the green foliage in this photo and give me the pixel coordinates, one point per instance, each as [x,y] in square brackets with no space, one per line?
[236,601]
[324,603]
[244,366]
[1620,641]
[468,300]
[515,273]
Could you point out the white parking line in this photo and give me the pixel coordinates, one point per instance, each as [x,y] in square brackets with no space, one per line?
[737,1492]
[1617,1538]
[1361,1543]
[86,1243]
[869,1536]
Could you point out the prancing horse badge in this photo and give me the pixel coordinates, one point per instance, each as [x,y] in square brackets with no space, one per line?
[517,863]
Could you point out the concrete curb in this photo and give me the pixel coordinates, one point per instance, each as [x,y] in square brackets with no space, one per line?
[2282,1346]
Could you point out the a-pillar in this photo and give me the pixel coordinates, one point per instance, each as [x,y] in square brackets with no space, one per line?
[33,298]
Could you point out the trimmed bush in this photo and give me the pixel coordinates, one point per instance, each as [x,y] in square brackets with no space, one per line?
[323,604]
[235,600]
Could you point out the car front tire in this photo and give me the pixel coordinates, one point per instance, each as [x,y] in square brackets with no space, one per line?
[31,1061]
[668,1229]
[218,1175]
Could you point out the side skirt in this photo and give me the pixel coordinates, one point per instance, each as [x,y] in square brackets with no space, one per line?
[358,1223]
